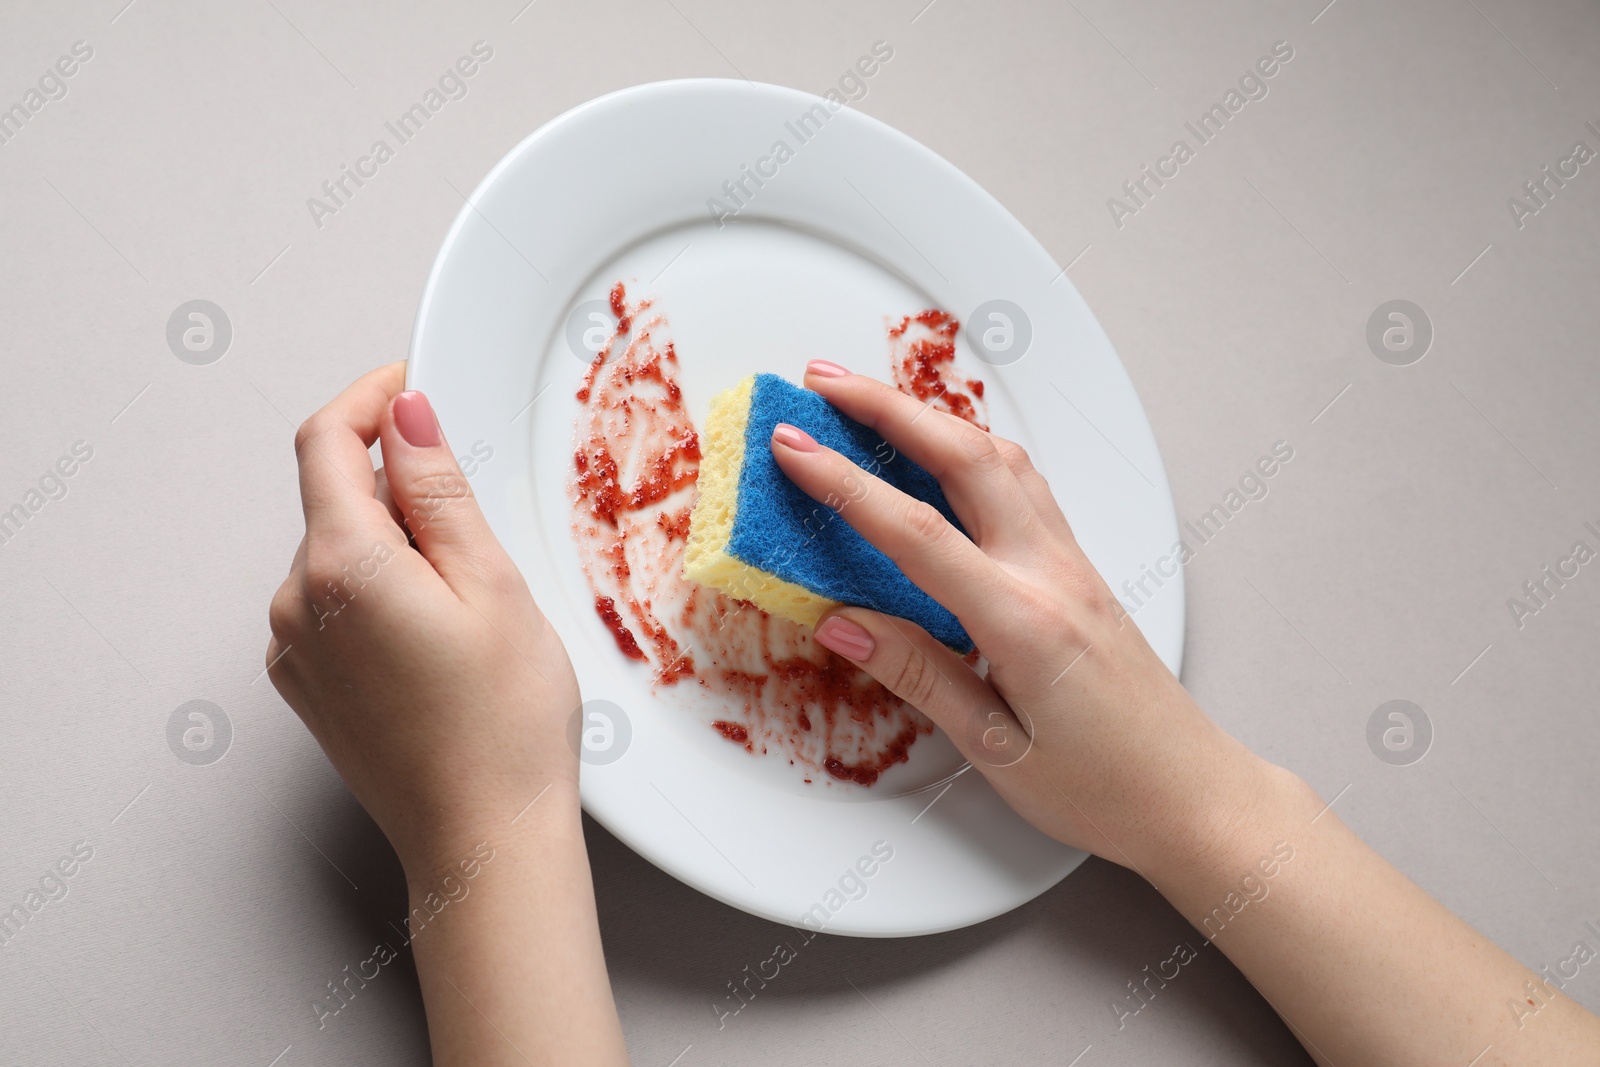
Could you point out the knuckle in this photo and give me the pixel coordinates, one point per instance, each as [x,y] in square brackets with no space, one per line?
[285,610]
[914,681]
[1092,593]
[1069,629]
[496,571]
[1015,456]
[924,521]
[1053,611]
[278,665]
[325,566]
[307,433]
[1080,589]
[433,492]
[981,451]
[854,486]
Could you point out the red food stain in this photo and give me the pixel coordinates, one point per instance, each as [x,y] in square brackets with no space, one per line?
[606,608]
[922,357]
[619,308]
[677,525]
[588,376]
[636,458]
[733,732]
[597,478]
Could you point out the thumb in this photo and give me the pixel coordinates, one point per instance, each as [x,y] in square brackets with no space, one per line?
[433,496]
[917,668]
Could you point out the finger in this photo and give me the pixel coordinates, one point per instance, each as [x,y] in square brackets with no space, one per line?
[386,497]
[433,495]
[336,478]
[933,554]
[915,667]
[1034,485]
[967,461]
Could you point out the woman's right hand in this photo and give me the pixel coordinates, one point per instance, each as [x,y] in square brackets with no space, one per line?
[1083,730]
[1078,724]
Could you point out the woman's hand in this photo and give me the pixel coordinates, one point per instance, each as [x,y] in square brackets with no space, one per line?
[407,640]
[1078,724]
[427,674]
[1084,731]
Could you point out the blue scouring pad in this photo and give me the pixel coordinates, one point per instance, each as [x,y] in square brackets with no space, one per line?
[754,535]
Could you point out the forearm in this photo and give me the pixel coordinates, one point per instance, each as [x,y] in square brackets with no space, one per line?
[1362,964]
[512,971]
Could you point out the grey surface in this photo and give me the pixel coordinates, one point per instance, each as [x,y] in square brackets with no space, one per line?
[1379,567]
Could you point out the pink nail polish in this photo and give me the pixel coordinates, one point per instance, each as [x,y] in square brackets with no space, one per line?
[794,437]
[823,369]
[838,634]
[414,418]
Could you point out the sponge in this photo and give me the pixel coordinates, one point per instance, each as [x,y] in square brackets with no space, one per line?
[756,536]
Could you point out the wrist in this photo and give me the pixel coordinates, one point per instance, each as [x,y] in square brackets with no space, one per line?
[536,817]
[1241,806]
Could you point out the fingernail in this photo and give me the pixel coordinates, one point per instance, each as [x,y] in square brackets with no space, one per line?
[794,437]
[414,418]
[850,640]
[823,369]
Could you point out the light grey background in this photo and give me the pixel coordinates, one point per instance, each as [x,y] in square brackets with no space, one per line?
[221,898]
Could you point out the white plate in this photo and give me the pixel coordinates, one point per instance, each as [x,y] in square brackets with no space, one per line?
[860,224]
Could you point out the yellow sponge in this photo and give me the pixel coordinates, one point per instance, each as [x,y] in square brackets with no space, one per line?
[755,536]
[708,559]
